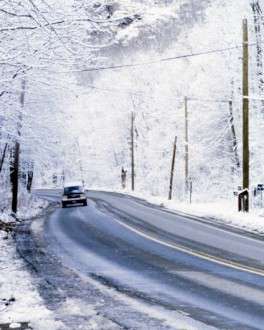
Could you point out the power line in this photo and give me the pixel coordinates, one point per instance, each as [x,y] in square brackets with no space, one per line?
[138,92]
[166,59]
[208,100]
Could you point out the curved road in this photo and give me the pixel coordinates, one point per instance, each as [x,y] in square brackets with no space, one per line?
[212,273]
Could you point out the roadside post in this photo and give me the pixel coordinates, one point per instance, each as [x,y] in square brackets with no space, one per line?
[243,200]
[123,177]
[186,144]
[132,151]
[191,190]
[172,167]
[258,191]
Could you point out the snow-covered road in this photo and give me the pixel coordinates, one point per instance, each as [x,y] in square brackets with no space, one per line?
[173,271]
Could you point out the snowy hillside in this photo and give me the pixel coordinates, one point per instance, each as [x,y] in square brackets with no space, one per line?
[101,115]
[86,67]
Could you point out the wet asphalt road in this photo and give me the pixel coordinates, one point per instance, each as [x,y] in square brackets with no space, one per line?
[213,275]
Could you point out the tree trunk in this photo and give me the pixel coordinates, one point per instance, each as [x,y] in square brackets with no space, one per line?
[3,158]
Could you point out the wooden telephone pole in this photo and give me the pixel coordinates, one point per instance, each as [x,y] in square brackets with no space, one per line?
[132,151]
[186,145]
[245,112]
[245,107]
[172,167]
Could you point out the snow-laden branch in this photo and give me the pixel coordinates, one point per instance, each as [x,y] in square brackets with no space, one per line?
[15,14]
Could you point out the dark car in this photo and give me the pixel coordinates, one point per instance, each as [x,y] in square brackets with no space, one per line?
[73,194]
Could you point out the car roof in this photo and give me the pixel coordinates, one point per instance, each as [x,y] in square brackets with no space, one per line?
[73,184]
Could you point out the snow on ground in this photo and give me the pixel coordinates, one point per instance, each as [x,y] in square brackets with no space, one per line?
[79,309]
[30,207]
[19,298]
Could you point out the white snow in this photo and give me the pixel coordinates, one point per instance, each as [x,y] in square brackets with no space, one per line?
[29,207]
[82,120]
[18,288]
[14,325]
[17,283]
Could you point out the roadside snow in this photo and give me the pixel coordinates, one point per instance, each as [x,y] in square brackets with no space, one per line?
[19,298]
[29,207]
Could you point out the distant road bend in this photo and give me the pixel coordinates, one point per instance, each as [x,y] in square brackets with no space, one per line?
[211,272]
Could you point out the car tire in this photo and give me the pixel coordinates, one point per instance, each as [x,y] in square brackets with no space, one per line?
[85,203]
[63,205]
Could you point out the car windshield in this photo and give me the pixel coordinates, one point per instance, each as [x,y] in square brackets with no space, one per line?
[72,190]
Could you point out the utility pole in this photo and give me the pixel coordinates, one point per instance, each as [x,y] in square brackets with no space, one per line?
[132,151]
[186,145]
[245,113]
[172,167]
[245,107]
[14,173]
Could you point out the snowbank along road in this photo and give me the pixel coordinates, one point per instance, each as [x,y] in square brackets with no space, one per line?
[173,271]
